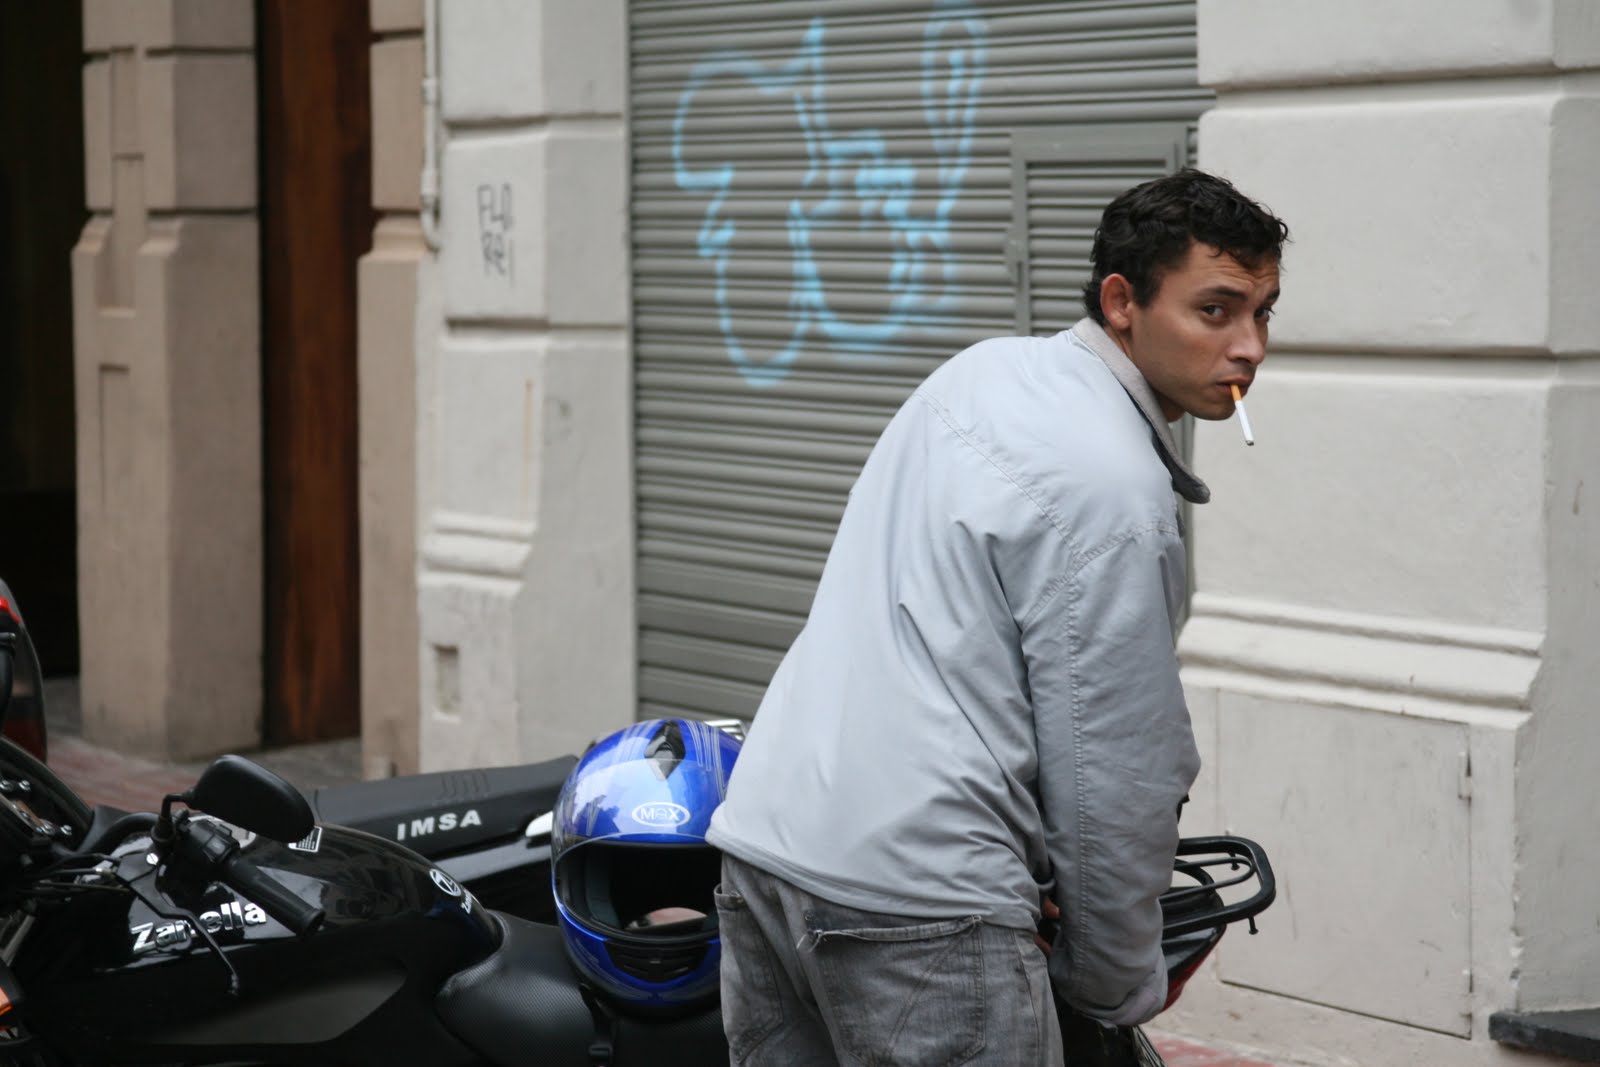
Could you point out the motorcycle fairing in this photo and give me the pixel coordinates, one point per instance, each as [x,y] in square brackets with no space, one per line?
[360,989]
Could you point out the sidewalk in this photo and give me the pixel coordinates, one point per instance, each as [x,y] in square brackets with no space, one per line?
[104,776]
[1180,1053]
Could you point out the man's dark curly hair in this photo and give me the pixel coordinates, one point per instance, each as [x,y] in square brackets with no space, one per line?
[1147,231]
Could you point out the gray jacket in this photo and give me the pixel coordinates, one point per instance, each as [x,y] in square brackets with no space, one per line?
[984,702]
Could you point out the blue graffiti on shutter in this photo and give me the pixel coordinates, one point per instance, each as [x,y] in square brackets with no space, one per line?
[846,171]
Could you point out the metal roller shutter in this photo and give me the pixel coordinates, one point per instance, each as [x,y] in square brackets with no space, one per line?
[824,196]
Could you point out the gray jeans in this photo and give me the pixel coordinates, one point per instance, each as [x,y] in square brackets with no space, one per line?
[809,983]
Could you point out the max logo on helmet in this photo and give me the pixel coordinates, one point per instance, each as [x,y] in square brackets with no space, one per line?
[661,813]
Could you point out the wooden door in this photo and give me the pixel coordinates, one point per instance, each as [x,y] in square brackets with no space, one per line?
[316,221]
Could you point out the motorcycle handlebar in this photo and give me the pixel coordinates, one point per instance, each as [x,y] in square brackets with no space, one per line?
[275,898]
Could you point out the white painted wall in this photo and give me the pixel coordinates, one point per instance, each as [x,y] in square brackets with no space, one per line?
[1254,43]
[1392,657]
[526,579]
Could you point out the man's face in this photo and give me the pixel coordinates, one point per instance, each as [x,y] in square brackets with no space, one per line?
[1203,331]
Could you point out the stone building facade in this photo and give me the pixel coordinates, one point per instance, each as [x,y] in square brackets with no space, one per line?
[1391,657]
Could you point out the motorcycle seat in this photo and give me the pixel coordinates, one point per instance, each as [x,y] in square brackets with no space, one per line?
[523,1004]
[445,813]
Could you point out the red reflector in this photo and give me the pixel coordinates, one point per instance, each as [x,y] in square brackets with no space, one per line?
[5,606]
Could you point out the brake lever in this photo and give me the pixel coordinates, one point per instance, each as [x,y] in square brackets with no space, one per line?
[189,917]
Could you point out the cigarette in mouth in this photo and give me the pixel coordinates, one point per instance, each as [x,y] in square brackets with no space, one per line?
[1244,419]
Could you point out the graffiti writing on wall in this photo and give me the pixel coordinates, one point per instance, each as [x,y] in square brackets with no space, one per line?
[494,230]
[850,181]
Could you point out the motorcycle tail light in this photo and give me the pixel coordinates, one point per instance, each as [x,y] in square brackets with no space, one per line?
[1179,977]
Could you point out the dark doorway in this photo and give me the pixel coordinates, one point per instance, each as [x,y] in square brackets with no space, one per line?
[316,221]
[41,215]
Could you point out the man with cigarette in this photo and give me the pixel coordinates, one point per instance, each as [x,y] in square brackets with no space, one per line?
[982,721]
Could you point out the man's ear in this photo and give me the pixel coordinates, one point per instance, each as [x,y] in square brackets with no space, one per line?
[1116,301]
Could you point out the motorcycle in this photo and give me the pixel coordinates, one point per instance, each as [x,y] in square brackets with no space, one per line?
[231,927]
[489,828]
[235,926]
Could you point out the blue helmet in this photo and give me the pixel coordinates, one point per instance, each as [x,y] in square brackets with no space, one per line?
[632,872]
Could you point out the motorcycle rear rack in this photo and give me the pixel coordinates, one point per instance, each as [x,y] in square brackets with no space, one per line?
[1200,905]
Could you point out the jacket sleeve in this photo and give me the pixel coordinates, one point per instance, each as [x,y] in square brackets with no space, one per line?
[1116,756]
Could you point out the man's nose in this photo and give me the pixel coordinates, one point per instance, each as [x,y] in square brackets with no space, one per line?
[1249,344]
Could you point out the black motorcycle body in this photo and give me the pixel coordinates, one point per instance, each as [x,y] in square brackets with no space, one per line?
[360,990]
[402,965]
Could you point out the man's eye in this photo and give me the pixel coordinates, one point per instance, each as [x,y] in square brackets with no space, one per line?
[1212,311]
[1264,313]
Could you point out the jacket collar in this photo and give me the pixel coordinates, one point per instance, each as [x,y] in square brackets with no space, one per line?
[1093,336]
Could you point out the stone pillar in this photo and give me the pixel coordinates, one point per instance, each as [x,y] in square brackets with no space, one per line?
[526,587]
[1392,654]
[388,425]
[166,310]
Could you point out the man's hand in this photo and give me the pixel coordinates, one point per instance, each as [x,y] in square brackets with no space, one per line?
[1049,923]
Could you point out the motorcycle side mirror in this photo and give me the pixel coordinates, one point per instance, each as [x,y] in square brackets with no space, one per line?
[253,798]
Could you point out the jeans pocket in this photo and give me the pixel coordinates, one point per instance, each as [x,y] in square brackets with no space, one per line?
[751,1004]
[906,994]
